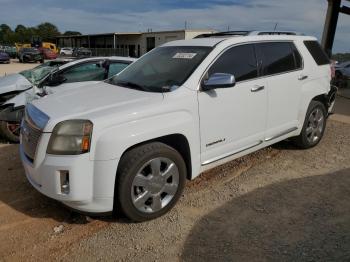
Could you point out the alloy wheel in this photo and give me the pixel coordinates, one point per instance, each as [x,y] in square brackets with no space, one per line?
[315,126]
[155,185]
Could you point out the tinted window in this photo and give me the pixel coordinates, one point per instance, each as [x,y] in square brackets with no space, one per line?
[276,58]
[115,68]
[239,61]
[85,72]
[317,53]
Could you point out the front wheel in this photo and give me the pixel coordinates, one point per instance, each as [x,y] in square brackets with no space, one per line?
[150,181]
[10,131]
[314,126]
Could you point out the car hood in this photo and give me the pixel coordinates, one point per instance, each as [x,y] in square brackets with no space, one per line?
[94,101]
[13,82]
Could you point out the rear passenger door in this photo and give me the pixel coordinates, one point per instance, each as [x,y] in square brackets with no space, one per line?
[233,119]
[281,66]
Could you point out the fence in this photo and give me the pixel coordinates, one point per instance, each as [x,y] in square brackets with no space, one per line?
[109,51]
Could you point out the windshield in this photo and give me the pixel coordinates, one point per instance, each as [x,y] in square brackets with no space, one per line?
[163,69]
[38,73]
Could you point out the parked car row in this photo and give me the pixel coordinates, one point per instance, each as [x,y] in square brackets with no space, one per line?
[32,54]
[10,50]
[342,74]
[75,52]
[128,144]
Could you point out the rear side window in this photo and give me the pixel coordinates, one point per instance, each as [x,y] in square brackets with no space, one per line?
[317,53]
[239,61]
[278,58]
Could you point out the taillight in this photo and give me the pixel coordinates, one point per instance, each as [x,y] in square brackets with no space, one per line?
[332,69]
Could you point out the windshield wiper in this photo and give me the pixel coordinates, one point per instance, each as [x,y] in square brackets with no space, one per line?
[131,85]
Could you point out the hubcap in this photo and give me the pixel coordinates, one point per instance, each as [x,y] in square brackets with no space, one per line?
[155,185]
[13,128]
[315,126]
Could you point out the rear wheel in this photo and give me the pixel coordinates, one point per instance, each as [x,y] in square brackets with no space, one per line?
[314,126]
[10,131]
[150,181]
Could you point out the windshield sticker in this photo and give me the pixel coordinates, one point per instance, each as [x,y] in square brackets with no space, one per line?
[184,55]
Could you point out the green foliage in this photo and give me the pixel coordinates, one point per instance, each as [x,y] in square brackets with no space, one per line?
[341,57]
[68,33]
[43,32]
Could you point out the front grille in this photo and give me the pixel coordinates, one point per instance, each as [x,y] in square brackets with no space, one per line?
[30,139]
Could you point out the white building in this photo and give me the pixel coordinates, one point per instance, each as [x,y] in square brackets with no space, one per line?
[130,43]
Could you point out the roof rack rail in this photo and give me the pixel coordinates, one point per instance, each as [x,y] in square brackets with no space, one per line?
[224,34]
[246,33]
[275,33]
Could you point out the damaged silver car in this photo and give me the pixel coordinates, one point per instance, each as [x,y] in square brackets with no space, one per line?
[17,90]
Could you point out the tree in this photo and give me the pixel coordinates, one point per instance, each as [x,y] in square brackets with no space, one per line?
[68,33]
[6,34]
[47,31]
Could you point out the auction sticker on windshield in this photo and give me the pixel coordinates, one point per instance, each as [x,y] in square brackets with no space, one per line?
[185,55]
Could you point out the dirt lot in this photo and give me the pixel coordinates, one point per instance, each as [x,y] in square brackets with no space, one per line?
[15,67]
[279,204]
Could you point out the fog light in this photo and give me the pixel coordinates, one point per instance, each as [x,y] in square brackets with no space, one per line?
[64,177]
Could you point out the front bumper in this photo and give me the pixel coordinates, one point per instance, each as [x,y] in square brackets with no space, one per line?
[91,183]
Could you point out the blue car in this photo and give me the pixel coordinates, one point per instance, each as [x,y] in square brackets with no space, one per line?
[4,57]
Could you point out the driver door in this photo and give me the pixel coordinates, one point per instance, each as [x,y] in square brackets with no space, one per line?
[233,119]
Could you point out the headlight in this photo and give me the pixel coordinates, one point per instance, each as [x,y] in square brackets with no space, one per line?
[71,137]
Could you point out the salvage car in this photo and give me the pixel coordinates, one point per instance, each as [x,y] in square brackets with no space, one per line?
[128,144]
[47,53]
[19,89]
[32,54]
[66,51]
[4,57]
[10,50]
[81,52]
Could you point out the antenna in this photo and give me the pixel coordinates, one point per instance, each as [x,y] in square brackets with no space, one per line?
[185,24]
[274,30]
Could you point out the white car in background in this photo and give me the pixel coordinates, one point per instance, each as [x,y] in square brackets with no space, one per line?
[19,89]
[66,51]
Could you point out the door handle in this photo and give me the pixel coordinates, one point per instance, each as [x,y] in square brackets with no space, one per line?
[257,88]
[303,77]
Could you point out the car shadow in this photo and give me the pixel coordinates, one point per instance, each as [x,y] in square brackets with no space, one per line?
[304,219]
[17,193]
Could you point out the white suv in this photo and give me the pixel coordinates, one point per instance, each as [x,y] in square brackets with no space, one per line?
[128,144]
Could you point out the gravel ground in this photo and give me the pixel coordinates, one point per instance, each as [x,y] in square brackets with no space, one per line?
[279,204]
[15,67]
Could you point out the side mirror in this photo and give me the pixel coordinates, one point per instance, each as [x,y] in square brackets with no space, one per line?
[219,80]
[56,79]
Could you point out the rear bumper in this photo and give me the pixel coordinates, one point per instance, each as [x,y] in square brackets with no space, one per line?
[331,99]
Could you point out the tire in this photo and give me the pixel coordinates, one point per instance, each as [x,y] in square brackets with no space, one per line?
[314,126]
[137,198]
[6,132]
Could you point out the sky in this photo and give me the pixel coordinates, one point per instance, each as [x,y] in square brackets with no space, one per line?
[102,16]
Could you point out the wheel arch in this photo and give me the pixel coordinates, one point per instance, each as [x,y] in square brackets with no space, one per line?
[177,141]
